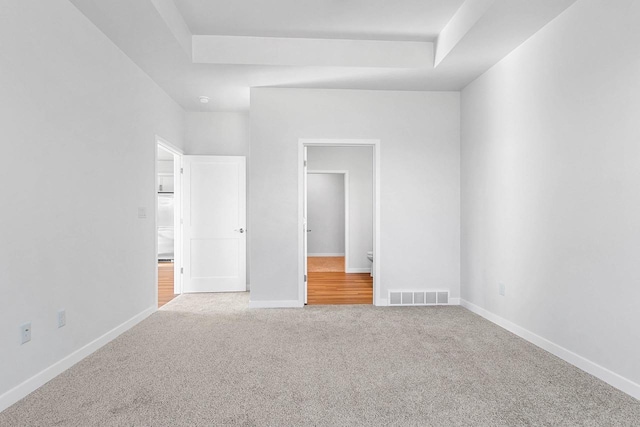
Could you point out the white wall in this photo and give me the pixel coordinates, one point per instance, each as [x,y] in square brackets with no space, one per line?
[359,162]
[551,185]
[420,193]
[325,214]
[78,122]
[217,134]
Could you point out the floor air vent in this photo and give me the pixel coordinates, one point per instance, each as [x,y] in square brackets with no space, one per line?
[418,298]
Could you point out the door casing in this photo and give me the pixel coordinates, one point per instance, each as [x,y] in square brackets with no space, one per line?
[302,230]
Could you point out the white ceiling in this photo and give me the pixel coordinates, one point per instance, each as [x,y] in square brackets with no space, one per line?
[221,49]
[418,20]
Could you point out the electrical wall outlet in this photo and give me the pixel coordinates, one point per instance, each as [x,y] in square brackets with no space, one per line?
[25,333]
[62,318]
[502,289]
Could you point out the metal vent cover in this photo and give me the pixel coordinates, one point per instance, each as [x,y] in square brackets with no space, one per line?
[417,298]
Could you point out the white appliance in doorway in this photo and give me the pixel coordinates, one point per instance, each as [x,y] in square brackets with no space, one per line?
[166,235]
[215,237]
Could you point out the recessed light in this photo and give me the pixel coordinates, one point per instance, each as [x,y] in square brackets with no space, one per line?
[204,99]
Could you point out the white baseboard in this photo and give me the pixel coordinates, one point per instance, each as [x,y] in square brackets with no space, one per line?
[381,302]
[324,254]
[22,390]
[276,304]
[610,377]
[454,301]
[358,270]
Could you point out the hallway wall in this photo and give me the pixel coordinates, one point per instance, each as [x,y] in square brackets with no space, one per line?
[325,215]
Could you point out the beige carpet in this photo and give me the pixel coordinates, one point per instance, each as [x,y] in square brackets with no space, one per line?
[208,360]
[325,264]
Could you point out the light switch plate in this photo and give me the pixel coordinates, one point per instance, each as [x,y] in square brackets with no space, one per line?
[62,318]
[25,333]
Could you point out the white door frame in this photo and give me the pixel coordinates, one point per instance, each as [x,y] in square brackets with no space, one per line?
[346,209]
[177,217]
[375,143]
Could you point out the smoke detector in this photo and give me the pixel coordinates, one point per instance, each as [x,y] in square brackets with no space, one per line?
[204,99]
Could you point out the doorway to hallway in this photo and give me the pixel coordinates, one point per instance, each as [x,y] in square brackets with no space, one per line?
[339,223]
[328,202]
[168,230]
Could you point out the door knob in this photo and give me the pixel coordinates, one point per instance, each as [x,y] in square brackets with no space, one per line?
[240,230]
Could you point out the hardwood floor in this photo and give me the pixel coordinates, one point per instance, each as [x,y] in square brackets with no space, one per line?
[165,283]
[325,263]
[324,287]
[327,283]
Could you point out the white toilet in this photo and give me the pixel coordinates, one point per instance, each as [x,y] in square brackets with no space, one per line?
[373,264]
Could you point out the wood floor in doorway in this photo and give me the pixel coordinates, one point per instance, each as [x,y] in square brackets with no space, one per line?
[317,264]
[329,284]
[165,283]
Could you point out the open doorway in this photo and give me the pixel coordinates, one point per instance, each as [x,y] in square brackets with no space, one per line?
[339,219]
[168,214]
[327,220]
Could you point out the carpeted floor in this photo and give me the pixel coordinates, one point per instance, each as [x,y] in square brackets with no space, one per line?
[208,360]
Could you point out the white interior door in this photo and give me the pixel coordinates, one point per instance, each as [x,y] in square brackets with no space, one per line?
[215,237]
